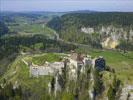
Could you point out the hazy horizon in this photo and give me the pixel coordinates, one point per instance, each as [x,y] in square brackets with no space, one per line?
[66,5]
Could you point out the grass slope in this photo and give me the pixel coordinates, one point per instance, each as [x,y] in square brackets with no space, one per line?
[42,58]
[122,63]
[19,71]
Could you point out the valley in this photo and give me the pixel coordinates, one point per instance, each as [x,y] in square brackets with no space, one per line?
[66,56]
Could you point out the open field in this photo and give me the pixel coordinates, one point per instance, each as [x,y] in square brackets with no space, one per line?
[31,29]
[122,63]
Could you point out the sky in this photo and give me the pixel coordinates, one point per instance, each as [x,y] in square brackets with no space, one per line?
[66,5]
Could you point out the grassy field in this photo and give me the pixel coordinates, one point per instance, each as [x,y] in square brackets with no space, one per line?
[122,63]
[31,29]
[41,59]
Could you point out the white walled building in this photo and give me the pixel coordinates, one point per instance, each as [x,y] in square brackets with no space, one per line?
[78,62]
[47,69]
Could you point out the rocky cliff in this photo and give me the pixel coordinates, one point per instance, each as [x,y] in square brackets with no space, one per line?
[110,35]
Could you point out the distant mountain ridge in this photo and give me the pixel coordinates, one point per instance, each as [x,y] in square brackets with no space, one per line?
[82,11]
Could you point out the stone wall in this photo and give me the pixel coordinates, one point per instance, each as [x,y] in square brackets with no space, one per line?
[47,69]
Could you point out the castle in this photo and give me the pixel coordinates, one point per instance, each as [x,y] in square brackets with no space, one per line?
[46,69]
[76,62]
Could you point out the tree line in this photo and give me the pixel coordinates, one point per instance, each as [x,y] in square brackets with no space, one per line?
[15,44]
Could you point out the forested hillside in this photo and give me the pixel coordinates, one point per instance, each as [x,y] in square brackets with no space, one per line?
[16,44]
[92,19]
[3,28]
[102,26]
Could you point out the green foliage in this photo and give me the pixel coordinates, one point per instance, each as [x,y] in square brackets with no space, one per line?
[98,84]
[113,59]
[29,85]
[67,96]
[55,24]
[32,29]
[14,44]
[125,45]
[3,28]
[8,92]
[94,19]
[5,62]
[69,25]
[113,89]
[37,88]
[111,93]
[51,57]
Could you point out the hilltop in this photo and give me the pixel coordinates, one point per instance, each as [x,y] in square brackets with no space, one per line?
[18,74]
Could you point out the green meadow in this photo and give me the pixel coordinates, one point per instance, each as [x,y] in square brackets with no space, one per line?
[122,63]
